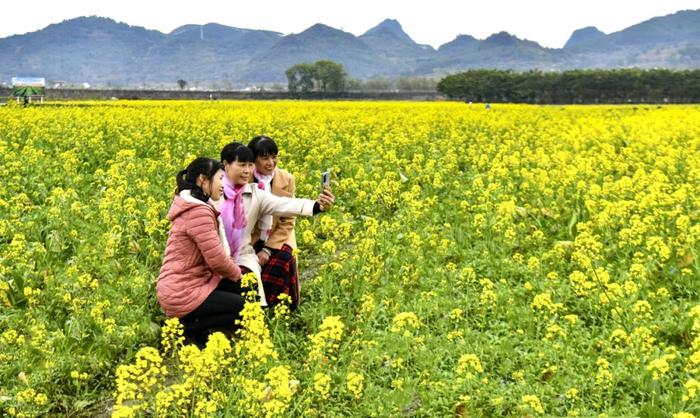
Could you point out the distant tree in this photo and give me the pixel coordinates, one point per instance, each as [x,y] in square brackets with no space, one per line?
[300,78]
[325,76]
[330,76]
[182,84]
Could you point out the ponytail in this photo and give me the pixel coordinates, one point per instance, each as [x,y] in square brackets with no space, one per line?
[181,181]
[187,179]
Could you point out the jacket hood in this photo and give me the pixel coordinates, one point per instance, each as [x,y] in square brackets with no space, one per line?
[183,203]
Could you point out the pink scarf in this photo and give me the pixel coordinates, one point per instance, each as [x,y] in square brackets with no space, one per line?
[265,222]
[233,215]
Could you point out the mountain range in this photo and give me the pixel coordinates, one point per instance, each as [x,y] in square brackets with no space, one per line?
[104,52]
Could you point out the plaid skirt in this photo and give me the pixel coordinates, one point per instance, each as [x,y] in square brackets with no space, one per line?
[279,276]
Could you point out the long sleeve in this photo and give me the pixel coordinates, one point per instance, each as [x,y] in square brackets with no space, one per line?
[284,206]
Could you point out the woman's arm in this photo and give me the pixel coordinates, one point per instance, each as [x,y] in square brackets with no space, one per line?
[204,233]
[284,206]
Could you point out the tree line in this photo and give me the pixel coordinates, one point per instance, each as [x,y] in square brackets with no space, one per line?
[575,86]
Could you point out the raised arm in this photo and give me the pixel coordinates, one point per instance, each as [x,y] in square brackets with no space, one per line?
[284,206]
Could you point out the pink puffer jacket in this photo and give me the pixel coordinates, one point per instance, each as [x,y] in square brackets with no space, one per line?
[194,260]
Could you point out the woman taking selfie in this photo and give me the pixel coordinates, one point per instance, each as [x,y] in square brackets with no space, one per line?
[273,237]
[199,281]
[245,205]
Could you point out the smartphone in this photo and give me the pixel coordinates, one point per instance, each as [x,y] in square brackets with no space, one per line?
[325,179]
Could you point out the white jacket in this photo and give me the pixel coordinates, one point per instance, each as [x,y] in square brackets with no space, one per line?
[257,203]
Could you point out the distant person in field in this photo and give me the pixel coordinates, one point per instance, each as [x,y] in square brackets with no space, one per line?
[273,237]
[199,282]
[245,204]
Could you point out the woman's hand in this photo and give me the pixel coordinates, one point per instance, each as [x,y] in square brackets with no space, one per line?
[263,257]
[325,199]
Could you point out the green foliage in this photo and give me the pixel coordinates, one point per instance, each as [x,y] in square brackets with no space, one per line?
[325,76]
[576,86]
[330,76]
[300,77]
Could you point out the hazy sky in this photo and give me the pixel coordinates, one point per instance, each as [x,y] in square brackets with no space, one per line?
[434,22]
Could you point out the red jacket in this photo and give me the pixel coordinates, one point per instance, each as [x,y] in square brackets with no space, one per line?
[194,260]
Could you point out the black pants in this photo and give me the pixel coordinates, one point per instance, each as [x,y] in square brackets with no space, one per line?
[218,312]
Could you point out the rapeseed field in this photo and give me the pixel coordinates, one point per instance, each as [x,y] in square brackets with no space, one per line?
[517,261]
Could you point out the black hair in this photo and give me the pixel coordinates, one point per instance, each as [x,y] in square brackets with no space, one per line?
[235,151]
[262,146]
[187,178]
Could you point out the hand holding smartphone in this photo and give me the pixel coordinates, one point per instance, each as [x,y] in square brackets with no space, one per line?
[326,198]
[325,180]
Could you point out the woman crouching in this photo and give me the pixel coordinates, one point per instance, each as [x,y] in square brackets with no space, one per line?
[199,282]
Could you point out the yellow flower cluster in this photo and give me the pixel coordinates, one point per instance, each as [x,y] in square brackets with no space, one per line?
[282,387]
[692,387]
[255,343]
[532,402]
[355,383]
[468,365]
[135,381]
[200,381]
[543,302]
[604,376]
[658,367]
[322,385]
[325,343]
[406,323]
[172,336]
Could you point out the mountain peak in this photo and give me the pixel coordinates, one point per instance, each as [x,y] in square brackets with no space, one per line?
[584,35]
[391,26]
[461,41]
[317,39]
[87,25]
[88,21]
[320,28]
[502,39]
[320,31]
